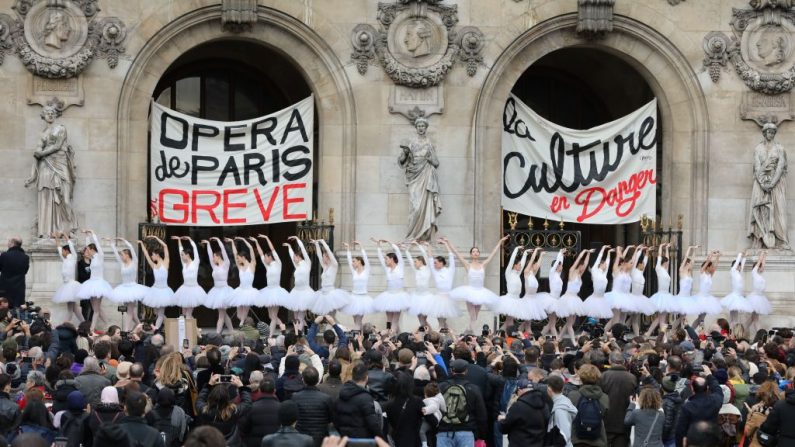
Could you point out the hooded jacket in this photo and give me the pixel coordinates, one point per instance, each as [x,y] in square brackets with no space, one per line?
[354,414]
[478,420]
[591,392]
[67,339]
[563,414]
[315,411]
[699,407]
[527,420]
[671,404]
[779,421]
[261,420]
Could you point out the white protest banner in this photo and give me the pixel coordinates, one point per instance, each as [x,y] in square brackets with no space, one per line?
[603,175]
[211,173]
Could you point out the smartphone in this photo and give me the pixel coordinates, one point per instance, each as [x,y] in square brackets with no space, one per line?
[299,349]
[361,442]
[121,309]
[124,334]
[373,337]
[185,344]
[226,378]
[389,325]
[442,331]
[355,333]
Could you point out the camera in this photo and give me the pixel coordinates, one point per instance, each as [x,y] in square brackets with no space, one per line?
[299,349]
[226,378]
[485,332]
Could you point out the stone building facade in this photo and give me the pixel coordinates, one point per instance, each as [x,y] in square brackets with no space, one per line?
[467,56]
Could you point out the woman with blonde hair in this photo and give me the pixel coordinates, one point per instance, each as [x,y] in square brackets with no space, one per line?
[644,414]
[171,372]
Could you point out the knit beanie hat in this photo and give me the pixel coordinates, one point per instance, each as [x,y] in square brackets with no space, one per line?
[75,401]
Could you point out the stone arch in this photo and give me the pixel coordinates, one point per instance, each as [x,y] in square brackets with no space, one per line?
[681,101]
[311,55]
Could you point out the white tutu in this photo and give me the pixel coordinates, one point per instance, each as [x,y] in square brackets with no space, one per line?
[67,293]
[480,296]
[128,292]
[535,305]
[245,296]
[708,304]
[301,299]
[94,288]
[688,305]
[330,300]
[760,304]
[550,302]
[621,301]
[219,297]
[392,301]
[597,307]
[440,306]
[665,302]
[644,305]
[569,305]
[190,296]
[159,297]
[513,306]
[734,302]
[419,300]
[359,304]
[273,296]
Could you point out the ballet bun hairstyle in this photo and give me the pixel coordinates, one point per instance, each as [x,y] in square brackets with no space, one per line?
[393,257]
[217,252]
[299,255]
[158,251]
[127,252]
[188,251]
[245,255]
[360,259]
[706,264]
[66,248]
[92,247]
[664,260]
[441,259]
[473,249]
[421,259]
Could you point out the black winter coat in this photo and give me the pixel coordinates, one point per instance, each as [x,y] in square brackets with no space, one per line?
[208,416]
[137,429]
[101,415]
[700,407]
[287,436]
[780,421]
[477,423]
[315,413]
[62,390]
[14,264]
[527,419]
[9,414]
[618,384]
[261,420]
[671,403]
[405,420]
[380,383]
[354,413]
[67,339]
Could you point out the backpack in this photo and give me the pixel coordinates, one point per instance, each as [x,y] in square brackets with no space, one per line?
[455,398]
[588,422]
[173,426]
[553,437]
[73,428]
[293,384]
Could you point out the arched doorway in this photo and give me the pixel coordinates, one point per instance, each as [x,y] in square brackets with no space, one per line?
[230,80]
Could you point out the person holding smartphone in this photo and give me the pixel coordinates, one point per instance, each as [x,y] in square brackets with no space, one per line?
[215,405]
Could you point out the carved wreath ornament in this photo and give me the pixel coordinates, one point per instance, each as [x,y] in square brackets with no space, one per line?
[416,42]
[60,38]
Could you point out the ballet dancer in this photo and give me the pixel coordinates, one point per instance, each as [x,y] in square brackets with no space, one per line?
[273,296]
[642,304]
[360,303]
[735,302]
[508,304]
[220,296]
[96,287]
[442,307]
[245,295]
[569,306]
[129,292]
[67,292]
[759,302]
[160,294]
[394,299]
[596,305]
[619,297]
[474,293]
[555,289]
[707,304]
[302,297]
[686,303]
[422,282]
[534,304]
[329,298]
[190,294]
[663,300]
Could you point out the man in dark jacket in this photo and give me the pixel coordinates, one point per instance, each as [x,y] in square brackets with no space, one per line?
[203,377]
[619,384]
[291,381]
[354,412]
[287,434]
[9,411]
[379,382]
[333,383]
[527,420]
[780,423]
[263,417]
[134,423]
[703,405]
[461,431]
[315,407]
[67,338]
[14,265]
[475,374]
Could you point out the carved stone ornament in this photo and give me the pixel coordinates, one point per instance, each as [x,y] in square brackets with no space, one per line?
[763,48]
[416,42]
[594,18]
[716,46]
[238,15]
[60,38]
[674,2]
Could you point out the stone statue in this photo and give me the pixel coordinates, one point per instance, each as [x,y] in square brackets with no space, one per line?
[418,38]
[768,219]
[54,175]
[419,161]
[57,30]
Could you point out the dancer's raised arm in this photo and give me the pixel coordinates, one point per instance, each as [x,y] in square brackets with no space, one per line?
[495,250]
[331,256]
[575,267]
[274,254]
[453,250]
[584,264]
[253,262]
[512,259]
[146,254]
[259,249]
[164,246]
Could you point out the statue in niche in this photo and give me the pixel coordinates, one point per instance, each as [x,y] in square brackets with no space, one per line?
[57,30]
[54,175]
[768,219]
[420,164]
[418,38]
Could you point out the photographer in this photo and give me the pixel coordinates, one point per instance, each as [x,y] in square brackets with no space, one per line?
[328,336]
[215,406]
[704,405]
